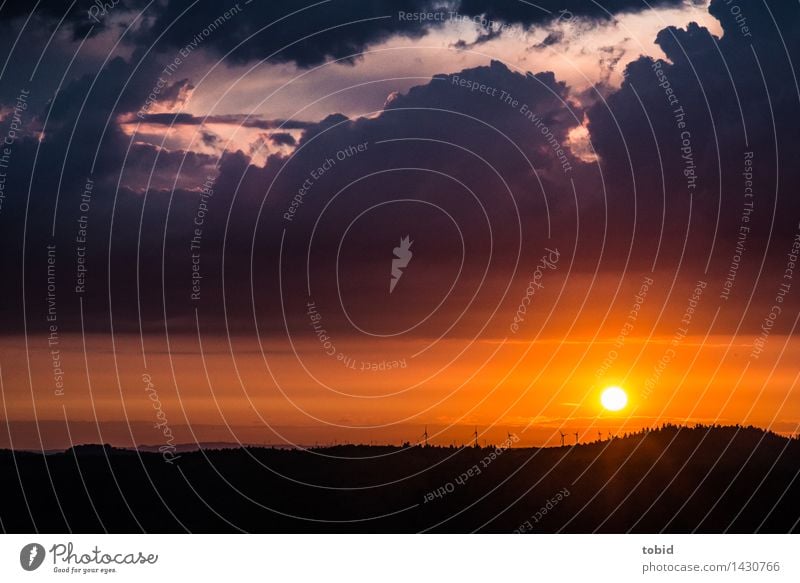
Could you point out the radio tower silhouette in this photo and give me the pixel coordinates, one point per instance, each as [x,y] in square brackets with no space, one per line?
[425,436]
[475,435]
[563,435]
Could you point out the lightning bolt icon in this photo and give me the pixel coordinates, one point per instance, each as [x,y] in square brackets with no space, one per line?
[402,255]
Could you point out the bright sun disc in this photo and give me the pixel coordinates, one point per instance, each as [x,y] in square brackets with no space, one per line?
[614,399]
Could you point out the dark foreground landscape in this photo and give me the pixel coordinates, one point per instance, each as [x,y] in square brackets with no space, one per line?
[672,480]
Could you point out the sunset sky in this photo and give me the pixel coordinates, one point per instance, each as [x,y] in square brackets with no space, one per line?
[200,205]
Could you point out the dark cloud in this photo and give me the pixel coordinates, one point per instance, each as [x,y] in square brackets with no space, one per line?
[488,34]
[527,13]
[462,142]
[510,177]
[699,114]
[80,18]
[283,139]
[306,33]
[247,121]
[551,39]
[175,94]
[209,138]
[309,34]
[410,151]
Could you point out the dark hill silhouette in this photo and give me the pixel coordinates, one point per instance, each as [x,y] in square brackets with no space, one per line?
[704,479]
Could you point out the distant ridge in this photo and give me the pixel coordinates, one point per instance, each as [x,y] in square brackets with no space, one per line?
[222,445]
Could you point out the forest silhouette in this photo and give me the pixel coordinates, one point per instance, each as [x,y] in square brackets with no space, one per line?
[669,479]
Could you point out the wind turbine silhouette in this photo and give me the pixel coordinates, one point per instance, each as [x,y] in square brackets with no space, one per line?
[563,435]
[576,438]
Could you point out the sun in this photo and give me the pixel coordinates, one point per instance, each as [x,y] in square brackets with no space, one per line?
[614,398]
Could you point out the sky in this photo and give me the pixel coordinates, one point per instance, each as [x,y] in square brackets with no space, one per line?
[294,223]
